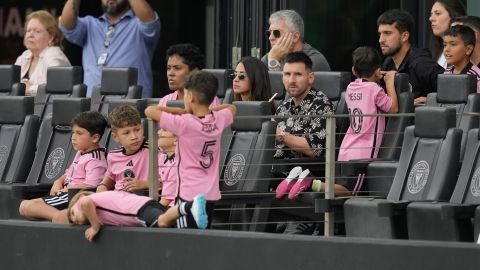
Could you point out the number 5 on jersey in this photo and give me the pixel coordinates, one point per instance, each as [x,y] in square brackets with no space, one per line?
[207,154]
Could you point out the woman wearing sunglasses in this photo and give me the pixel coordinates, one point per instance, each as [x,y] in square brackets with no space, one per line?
[251,81]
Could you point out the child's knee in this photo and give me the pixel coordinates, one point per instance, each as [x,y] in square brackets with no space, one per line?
[161,223]
[60,217]
[24,208]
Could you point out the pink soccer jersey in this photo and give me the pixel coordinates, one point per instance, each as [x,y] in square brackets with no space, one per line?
[174,96]
[117,208]
[167,170]
[198,151]
[87,168]
[121,166]
[365,132]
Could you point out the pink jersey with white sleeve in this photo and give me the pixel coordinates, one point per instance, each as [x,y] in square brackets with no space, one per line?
[198,151]
[87,168]
[174,96]
[116,208]
[121,166]
[365,133]
[167,170]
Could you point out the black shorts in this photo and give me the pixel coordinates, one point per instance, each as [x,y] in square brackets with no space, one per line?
[149,213]
[188,222]
[59,201]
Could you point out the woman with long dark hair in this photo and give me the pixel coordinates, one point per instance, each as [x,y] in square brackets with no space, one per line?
[441,15]
[251,81]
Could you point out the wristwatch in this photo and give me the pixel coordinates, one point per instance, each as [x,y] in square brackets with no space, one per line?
[274,64]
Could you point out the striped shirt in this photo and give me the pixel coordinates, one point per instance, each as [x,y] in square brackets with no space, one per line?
[470,69]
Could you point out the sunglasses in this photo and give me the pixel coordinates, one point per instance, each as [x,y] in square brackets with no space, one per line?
[240,76]
[276,33]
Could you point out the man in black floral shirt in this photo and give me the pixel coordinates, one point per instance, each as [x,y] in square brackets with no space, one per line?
[301,136]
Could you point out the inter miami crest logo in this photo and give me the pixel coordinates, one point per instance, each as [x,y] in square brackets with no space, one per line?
[54,163]
[234,170]
[128,174]
[475,183]
[418,177]
[3,153]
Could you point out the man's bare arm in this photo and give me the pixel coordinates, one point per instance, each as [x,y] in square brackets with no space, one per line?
[70,14]
[142,10]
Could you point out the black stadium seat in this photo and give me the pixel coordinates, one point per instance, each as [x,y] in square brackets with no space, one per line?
[459,92]
[62,82]
[117,83]
[427,170]
[54,153]
[245,163]
[277,86]
[18,136]
[333,84]
[54,147]
[10,81]
[451,221]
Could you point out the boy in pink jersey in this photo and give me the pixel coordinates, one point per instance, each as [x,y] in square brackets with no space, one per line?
[127,209]
[459,42]
[127,165]
[198,131]
[366,96]
[182,59]
[86,170]
[167,166]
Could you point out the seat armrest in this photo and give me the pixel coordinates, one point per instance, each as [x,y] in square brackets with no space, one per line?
[31,191]
[458,211]
[357,166]
[330,205]
[392,208]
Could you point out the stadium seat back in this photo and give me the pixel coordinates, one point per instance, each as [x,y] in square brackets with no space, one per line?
[459,92]
[250,151]
[427,170]
[393,135]
[10,81]
[62,82]
[333,84]
[116,83]
[18,135]
[54,148]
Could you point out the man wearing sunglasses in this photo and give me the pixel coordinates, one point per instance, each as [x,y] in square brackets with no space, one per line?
[286,33]
[124,36]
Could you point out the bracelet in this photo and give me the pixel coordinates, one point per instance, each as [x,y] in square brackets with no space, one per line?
[102,184]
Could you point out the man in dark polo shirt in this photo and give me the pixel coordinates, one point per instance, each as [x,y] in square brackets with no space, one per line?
[394,28]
